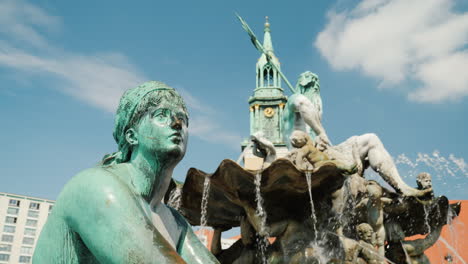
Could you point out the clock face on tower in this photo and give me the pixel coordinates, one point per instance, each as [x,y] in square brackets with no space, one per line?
[269,112]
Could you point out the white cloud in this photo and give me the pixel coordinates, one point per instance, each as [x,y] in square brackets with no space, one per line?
[399,40]
[24,22]
[194,103]
[205,122]
[97,79]
[208,129]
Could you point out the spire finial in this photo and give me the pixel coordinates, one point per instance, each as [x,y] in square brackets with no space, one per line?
[267,24]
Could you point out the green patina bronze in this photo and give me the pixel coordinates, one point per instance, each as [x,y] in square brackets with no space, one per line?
[267,103]
[271,112]
[112,213]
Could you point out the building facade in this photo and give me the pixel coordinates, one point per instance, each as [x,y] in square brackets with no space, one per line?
[21,222]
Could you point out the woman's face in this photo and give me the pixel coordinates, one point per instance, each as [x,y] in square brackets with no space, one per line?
[163,131]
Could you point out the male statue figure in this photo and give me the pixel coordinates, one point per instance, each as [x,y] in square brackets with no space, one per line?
[112,213]
[304,112]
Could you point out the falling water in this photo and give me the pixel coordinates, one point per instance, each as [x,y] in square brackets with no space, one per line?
[451,165]
[408,259]
[175,198]
[347,213]
[426,217]
[454,233]
[320,252]
[249,145]
[204,203]
[262,241]
[312,208]
[441,168]
[371,250]
[452,249]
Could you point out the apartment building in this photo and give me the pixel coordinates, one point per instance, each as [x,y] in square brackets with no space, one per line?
[21,222]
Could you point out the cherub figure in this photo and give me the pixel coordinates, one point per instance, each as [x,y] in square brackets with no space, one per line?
[305,151]
[424,182]
[362,251]
[374,204]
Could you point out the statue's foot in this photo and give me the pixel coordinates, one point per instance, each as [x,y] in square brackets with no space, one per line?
[322,142]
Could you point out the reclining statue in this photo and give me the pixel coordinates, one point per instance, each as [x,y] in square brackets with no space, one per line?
[112,213]
[303,111]
[305,151]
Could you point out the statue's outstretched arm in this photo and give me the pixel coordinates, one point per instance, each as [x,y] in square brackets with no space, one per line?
[111,221]
[418,246]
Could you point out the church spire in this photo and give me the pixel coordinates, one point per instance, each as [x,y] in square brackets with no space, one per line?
[267,103]
[267,75]
[267,44]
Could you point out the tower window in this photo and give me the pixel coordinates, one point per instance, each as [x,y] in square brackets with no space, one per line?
[268,76]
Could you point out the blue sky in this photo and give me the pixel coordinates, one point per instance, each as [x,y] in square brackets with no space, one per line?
[396,68]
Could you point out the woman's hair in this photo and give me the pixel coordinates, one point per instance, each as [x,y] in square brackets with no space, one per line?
[133,106]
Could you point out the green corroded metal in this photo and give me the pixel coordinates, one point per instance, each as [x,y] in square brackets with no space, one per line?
[112,213]
[261,48]
[268,100]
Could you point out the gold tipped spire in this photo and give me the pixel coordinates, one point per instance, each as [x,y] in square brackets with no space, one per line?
[267,24]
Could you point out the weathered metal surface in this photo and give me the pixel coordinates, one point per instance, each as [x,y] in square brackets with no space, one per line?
[283,187]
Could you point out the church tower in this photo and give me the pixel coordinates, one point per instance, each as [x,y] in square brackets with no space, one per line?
[267,103]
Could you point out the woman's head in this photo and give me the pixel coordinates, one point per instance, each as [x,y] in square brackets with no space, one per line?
[134,106]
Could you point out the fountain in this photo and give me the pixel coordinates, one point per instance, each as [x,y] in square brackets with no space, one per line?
[312,208]
[300,199]
[204,202]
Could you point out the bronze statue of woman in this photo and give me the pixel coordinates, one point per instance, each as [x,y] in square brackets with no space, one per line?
[113,213]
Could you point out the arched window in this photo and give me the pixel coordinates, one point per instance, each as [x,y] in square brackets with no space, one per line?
[268,76]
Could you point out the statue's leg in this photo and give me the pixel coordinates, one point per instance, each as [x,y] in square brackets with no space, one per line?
[369,146]
[380,240]
[288,124]
[375,215]
[311,116]
[300,114]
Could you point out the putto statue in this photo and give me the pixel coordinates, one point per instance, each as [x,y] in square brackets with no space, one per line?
[112,213]
[306,154]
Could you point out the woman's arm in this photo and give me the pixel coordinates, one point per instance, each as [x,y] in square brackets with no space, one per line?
[110,220]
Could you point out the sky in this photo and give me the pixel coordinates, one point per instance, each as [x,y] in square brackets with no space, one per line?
[395,68]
